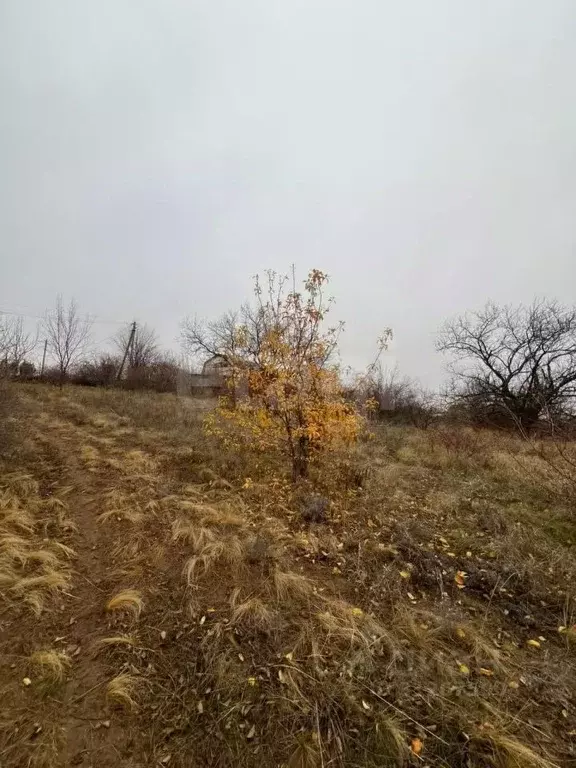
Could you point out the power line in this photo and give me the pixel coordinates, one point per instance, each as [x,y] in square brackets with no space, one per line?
[91,318]
[19,314]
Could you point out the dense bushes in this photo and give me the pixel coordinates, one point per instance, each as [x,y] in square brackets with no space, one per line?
[96,373]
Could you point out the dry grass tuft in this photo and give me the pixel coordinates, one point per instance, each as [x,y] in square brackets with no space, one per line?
[121,691]
[344,622]
[42,557]
[252,613]
[291,586]
[30,566]
[481,648]
[90,456]
[228,552]
[306,754]
[502,751]
[138,461]
[50,581]
[14,516]
[390,742]
[115,640]
[13,548]
[21,484]
[52,665]
[67,551]
[128,600]
[187,531]
[35,601]
[220,518]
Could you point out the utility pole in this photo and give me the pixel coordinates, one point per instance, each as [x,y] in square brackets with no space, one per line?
[130,343]
[44,359]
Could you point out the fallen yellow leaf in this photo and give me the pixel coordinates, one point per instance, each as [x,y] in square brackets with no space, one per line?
[464,669]
[416,746]
[460,579]
[533,643]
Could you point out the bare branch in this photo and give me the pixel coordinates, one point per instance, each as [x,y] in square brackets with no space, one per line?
[144,348]
[517,363]
[68,334]
[15,343]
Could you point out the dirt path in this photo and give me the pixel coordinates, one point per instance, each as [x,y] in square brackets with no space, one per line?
[70,725]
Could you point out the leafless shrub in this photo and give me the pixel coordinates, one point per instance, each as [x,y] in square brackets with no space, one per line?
[550,461]
[160,375]
[397,399]
[100,372]
[15,345]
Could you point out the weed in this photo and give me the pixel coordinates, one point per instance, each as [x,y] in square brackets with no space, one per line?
[128,601]
[291,586]
[228,552]
[251,613]
[121,691]
[51,665]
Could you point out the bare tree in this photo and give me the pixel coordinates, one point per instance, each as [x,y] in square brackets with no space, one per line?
[239,336]
[68,334]
[514,364]
[144,347]
[15,343]
[203,339]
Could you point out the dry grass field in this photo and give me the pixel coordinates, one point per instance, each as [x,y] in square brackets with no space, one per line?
[165,604]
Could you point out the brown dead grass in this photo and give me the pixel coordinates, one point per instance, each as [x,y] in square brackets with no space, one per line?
[122,692]
[51,665]
[417,625]
[128,601]
[33,568]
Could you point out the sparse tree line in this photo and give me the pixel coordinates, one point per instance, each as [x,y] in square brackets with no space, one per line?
[510,366]
[65,337]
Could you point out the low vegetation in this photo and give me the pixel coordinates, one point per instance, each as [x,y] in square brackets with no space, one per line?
[166,601]
[291,576]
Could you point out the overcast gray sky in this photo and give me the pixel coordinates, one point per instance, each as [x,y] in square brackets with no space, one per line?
[156,154]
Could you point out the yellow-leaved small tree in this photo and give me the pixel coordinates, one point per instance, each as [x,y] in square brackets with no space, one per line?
[285,390]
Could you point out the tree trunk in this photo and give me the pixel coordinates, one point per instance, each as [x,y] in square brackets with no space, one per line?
[300,459]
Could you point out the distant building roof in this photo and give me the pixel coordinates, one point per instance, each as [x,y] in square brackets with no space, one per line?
[216,362]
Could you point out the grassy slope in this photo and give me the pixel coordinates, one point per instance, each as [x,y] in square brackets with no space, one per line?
[165,604]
